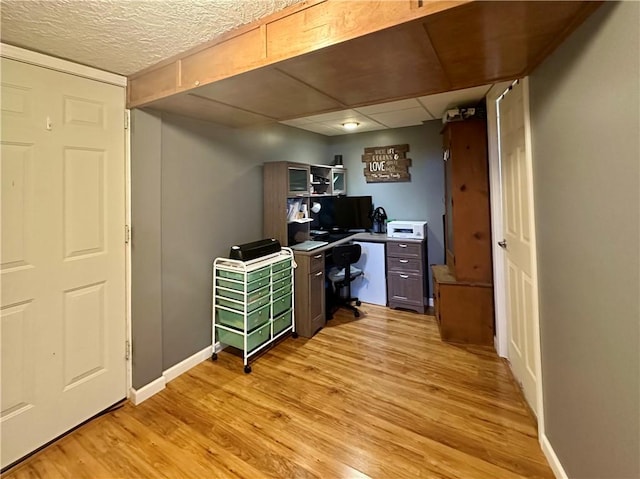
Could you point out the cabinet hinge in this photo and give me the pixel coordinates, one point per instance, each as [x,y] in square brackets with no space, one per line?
[127,234]
[127,117]
[127,349]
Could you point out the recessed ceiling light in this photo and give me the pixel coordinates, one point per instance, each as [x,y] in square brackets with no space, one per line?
[350,125]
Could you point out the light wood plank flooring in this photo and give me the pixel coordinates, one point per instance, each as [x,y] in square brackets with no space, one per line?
[376,397]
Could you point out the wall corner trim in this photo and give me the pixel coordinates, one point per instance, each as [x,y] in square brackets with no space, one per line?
[136,396]
[554,462]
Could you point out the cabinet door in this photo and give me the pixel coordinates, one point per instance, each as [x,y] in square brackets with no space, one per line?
[298,180]
[338,181]
[316,300]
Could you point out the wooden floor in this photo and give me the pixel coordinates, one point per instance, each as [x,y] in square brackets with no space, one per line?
[378,397]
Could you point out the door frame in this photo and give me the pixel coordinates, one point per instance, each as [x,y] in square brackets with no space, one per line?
[64,66]
[499,279]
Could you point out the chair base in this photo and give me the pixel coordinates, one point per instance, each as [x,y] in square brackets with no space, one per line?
[346,304]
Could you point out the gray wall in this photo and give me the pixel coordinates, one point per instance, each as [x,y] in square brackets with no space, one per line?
[420,199]
[586,155]
[209,197]
[146,247]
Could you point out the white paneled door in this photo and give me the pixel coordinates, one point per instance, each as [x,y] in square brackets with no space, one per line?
[519,244]
[62,253]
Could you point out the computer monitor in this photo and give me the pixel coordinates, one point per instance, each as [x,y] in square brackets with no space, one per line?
[353,212]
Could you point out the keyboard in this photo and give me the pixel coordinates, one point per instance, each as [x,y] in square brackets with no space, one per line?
[308,245]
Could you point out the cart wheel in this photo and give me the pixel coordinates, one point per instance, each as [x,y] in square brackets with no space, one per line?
[247,369]
[214,356]
[294,335]
[358,303]
[356,314]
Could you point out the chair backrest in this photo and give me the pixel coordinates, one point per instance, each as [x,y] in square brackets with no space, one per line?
[346,254]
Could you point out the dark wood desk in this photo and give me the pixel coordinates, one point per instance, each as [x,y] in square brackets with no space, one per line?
[406,261]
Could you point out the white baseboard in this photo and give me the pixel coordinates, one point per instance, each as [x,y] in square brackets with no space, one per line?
[183,366]
[554,462]
[136,396]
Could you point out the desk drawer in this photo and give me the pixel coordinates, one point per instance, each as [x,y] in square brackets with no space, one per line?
[405,287]
[316,262]
[405,249]
[412,265]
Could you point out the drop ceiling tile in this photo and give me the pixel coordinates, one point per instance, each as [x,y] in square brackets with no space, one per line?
[296,122]
[390,106]
[441,102]
[338,116]
[320,128]
[401,118]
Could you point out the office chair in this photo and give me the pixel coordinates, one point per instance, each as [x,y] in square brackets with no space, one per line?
[344,256]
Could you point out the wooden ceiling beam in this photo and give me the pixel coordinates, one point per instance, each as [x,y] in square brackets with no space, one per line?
[297,30]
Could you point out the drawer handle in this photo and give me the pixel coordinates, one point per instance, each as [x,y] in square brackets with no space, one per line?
[401,297]
[403,260]
[318,256]
[319,273]
[404,276]
[402,245]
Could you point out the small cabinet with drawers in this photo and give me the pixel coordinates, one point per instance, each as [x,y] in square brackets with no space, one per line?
[252,302]
[406,278]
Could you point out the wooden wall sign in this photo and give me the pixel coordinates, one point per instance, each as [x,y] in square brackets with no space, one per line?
[385,164]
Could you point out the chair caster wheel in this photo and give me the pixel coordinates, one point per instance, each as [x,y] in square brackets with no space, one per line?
[247,369]
[294,335]
[214,356]
[356,314]
[358,303]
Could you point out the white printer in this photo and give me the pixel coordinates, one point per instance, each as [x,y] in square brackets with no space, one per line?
[407,229]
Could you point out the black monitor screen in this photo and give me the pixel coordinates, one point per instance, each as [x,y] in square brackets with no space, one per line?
[353,212]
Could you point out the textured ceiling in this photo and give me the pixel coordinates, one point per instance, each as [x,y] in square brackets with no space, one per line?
[124,36]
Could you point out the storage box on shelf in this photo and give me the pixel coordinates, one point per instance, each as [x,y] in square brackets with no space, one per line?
[253,302]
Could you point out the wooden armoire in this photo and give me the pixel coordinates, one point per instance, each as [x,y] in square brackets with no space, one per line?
[463,287]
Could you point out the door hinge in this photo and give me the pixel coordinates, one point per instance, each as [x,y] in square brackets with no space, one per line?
[127,234]
[127,349]
[126,119]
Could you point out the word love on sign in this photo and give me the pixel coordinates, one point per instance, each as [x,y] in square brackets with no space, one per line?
[386,163]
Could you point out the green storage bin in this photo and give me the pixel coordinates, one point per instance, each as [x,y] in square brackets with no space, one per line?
[278,275]
[238,286]
[283,283]
[251,276]
[239,296]
[252,306]
[282,322]
[281,304]
[254,339]
[286,264]
[236,319]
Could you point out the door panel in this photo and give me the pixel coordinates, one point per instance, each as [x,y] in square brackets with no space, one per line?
[63,254]
[519,254]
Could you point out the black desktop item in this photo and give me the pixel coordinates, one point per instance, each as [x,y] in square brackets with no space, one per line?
[255,249]
[353,213]
[379,218]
